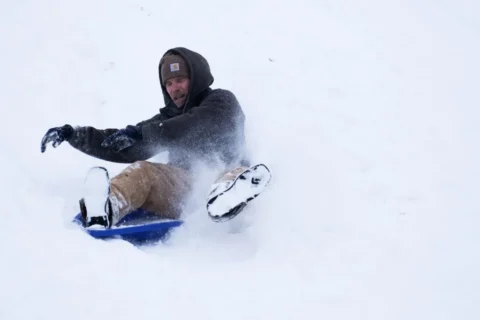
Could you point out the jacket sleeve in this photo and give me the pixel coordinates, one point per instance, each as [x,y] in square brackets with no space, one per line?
[155,118]
[208,120]
[88,140]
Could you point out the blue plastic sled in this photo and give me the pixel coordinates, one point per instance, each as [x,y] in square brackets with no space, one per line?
[139,227]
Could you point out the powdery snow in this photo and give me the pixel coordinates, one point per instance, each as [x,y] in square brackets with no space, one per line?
[365,112]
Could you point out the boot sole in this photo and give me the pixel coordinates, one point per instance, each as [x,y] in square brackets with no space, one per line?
[246,187]
[96,192]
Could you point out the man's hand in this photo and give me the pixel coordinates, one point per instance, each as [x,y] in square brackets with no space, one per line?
[56,136]
[123,138]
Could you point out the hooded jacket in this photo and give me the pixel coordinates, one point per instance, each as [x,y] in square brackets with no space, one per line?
[209,127]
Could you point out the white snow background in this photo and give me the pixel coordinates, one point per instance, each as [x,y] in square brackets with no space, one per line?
[365,111]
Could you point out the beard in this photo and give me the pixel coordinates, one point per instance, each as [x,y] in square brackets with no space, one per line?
[179,98]
[179,95]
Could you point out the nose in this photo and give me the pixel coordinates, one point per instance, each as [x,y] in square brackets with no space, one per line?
[176,86]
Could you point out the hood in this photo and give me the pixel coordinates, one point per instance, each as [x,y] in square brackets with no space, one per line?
[200,76]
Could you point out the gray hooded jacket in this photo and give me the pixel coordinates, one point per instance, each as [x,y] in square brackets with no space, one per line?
[210,126]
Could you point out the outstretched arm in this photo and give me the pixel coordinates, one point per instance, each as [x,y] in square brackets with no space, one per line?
[89,141]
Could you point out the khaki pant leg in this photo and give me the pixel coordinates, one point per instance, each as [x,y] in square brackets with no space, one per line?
[158,188]
[170,187]
[231,175]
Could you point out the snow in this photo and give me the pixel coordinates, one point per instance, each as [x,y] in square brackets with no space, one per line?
[365,112]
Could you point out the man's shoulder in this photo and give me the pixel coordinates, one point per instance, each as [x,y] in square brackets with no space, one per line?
[222,92]
[222,98]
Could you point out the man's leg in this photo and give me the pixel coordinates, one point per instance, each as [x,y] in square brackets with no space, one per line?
[231,175]
[158,188]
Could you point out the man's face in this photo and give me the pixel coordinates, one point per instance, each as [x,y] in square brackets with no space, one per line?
[177,89]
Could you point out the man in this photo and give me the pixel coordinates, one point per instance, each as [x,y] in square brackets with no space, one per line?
[197,125]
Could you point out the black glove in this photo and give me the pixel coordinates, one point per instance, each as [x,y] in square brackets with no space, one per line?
[56,136]
[123,138]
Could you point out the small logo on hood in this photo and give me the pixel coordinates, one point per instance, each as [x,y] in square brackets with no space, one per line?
[174,67]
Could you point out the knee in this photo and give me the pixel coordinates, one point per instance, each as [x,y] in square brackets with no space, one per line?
[150,167]
[140,164]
